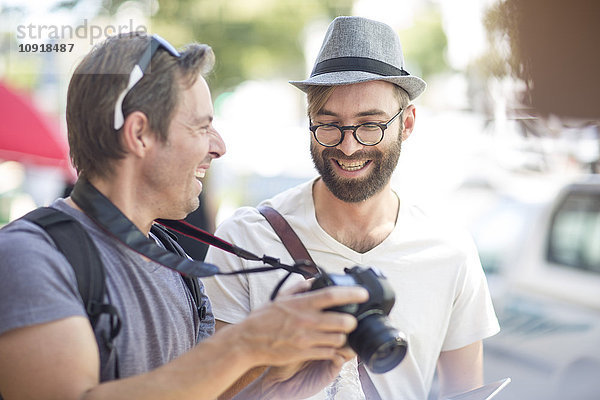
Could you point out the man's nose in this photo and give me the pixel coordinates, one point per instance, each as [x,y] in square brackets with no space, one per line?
[217,145]
[349,144]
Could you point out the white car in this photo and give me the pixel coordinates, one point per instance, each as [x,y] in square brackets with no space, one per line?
[545,282]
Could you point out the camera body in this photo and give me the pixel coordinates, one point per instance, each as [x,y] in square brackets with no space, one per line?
[378,344]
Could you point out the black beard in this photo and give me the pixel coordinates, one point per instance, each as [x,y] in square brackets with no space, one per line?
[356,190]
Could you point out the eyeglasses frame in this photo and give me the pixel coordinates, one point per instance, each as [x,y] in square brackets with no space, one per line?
[137,73]
[354,128]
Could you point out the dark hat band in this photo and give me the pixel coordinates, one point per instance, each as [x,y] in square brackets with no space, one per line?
[357,64]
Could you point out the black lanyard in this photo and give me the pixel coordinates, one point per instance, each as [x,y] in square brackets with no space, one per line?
[111,220]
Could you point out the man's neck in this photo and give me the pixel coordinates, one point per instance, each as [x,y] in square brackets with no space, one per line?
[360,226]
[126,199]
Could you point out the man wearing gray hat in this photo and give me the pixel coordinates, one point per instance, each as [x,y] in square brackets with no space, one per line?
[360,113]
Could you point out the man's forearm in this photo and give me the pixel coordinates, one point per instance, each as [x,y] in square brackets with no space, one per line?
[202,373]
[66,366]
[265,387]
[461,370]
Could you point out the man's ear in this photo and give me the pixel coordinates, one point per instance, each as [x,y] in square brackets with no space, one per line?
[408,116]
[136,134]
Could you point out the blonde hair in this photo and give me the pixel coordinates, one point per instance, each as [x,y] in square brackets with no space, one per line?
[317,96]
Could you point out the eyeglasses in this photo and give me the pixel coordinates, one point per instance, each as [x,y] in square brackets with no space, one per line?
[368,134]
[137,73]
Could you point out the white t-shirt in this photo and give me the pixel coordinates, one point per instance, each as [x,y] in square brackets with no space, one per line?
[442,298]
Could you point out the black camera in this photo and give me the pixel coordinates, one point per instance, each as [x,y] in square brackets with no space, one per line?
[378,344]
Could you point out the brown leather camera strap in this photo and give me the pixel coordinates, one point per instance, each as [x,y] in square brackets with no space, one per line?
[367,384]
[288,237]
[298,251]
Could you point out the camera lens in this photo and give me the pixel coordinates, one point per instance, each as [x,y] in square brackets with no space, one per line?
[379,345]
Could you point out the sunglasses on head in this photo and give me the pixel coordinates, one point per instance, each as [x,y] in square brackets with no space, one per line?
[137,73]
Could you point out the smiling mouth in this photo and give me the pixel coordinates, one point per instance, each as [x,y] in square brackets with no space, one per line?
[199,174]
[352,166]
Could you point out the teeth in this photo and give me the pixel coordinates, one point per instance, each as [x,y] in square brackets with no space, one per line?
[352,167]
[200,174]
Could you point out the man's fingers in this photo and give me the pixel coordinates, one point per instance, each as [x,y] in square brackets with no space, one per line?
[295,328]
[342,356]
[322,339]
[338,356]
[297,287]
[346,353]
[331,321]
[317,354]
[335,296]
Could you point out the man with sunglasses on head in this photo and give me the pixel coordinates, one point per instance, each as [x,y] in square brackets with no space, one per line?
[360,112]
[139,118]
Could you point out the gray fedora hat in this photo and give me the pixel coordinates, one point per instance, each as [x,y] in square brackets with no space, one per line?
[357,49]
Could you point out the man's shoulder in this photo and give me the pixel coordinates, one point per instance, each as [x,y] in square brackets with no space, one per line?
[437,227]
[18,232]
[291,201]
[37,285]
[23,240]
[245,220]
[242,216]
[24,230]
[286,203]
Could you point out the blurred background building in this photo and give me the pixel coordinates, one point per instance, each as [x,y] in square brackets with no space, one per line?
[510,117]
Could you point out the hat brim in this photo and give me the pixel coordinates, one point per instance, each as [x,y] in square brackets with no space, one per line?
[413,85]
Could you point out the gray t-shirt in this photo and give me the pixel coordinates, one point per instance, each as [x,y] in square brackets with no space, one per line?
[158,316]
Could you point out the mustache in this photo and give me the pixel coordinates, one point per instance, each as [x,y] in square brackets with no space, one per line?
[359,155]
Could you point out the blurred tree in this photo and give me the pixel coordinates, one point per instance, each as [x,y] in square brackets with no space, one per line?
[252,39]
[424,44]
[256,39]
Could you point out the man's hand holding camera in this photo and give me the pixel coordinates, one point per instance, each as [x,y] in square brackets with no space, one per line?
[294,328]
[306,345]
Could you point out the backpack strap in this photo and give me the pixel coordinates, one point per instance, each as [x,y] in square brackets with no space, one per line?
[298,251]
[84,257]
[169,240]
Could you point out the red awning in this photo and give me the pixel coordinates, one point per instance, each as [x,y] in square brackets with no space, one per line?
[29,136]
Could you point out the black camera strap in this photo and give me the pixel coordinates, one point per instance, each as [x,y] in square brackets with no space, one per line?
[112,221]
[306,269]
